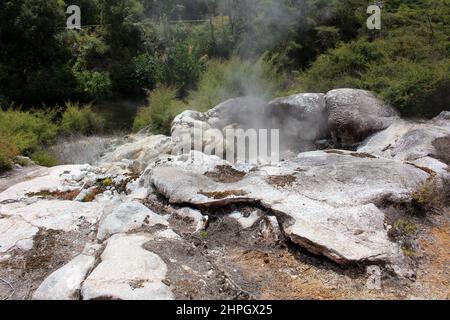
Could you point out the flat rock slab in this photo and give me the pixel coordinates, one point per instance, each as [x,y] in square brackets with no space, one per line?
[16,232]
[327,201]
[127,272]
[410,141]
[126,217]
[65,283]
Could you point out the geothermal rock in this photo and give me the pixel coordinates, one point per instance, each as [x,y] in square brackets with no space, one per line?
[327,202]
[140,152]
[55,214]
[65,283]
[301,119]
[411,141]
[444,116]
[16,232]
[353,115]
[126,217]
[127,272]
[54,179]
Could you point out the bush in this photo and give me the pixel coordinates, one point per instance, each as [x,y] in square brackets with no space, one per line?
[7,153]
[234,78]
[28,130]
[163,107]
[44,158]
[182,68]
[145,71]
[407,65]
[93,84]
[81,120]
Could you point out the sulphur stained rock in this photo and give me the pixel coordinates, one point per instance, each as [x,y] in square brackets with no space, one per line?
[353,115]
[65,283]
[326,202]
[127,272]
[126,217]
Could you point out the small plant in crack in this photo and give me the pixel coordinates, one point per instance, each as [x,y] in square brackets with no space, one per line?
[204,235]
[428,197]
[405,233]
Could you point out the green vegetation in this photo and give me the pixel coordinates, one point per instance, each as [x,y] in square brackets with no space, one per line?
[231,48]
[27,129]
[44,158]
[405,233]
[428,196]
[233,78]
[8,152]
[204,235]
[81,120]
[30,132]
[163,108]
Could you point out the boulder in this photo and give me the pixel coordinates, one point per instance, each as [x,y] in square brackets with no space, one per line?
[127,272]
[354,115]
[301,120]
[301,117]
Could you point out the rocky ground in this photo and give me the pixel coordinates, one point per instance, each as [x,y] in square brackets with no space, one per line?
[357,209]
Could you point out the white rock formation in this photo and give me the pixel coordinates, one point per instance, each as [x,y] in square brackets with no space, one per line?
[127,272]
[126,217]
[353,115]
[328,201]
[65,283]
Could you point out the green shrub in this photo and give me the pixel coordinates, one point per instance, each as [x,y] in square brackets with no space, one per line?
[182,68]
[81,120]
[163,107]
[234,78]
[145,71]
[28,130]
[418,89]
[408,68]
[44,158]
[7,153]
[93,84]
